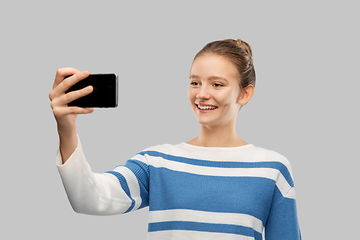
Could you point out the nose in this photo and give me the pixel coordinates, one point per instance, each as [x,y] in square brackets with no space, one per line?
[203,93]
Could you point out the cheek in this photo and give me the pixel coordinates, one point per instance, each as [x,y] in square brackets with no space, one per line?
[191,94]
[225,98]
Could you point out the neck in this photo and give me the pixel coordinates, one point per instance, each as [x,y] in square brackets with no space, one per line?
[217,137]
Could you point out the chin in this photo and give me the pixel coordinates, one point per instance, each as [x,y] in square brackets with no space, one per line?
[207,123]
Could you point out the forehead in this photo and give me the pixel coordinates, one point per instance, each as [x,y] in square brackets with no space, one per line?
[209,64]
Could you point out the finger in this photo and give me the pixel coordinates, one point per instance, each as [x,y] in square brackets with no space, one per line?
[63,111]
[79,110]
[70,81]
[65,84]
[71,96]
[61,73]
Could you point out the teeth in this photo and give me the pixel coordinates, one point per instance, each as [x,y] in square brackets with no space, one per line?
[206,107]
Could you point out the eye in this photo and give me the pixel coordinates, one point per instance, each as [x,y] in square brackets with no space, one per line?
[194,83]
[218,84]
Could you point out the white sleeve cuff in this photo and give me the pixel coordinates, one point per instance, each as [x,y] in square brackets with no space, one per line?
[77,151]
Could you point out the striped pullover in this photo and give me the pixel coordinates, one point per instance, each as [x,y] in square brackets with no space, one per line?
[192,192]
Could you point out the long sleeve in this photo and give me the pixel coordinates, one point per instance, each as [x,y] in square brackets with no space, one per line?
[94,193]
[283,221]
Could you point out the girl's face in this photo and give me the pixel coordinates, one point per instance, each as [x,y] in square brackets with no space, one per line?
[214,90]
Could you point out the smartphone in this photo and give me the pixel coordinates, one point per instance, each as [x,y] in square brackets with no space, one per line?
[104,95]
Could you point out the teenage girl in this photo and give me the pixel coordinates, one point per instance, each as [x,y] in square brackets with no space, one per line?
[215,186]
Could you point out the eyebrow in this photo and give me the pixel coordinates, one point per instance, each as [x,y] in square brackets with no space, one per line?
[210,78]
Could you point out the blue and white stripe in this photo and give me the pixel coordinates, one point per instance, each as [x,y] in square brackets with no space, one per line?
[187,215]
[159,178]
[129,184]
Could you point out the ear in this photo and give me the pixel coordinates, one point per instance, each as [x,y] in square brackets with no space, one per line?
[246,94]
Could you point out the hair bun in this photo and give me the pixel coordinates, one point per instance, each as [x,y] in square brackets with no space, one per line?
[246,47]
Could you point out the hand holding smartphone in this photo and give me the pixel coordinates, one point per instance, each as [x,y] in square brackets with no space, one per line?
[104,95]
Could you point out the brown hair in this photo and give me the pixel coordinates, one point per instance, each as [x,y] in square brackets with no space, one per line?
[239,53]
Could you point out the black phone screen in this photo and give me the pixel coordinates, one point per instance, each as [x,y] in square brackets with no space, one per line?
[104,94]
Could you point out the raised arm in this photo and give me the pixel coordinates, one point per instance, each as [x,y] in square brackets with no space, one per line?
[66,116]
[118,191]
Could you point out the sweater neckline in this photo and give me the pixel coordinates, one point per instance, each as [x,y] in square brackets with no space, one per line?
[190,146]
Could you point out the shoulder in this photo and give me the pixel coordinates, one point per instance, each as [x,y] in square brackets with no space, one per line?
[277,160]
[269,155]
[162,148]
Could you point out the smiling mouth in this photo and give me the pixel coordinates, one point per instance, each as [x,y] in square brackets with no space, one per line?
[206,107]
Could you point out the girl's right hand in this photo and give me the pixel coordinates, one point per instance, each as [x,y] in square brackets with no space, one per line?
[66,116]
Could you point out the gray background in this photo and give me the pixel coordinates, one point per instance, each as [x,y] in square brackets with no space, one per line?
[306,102]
